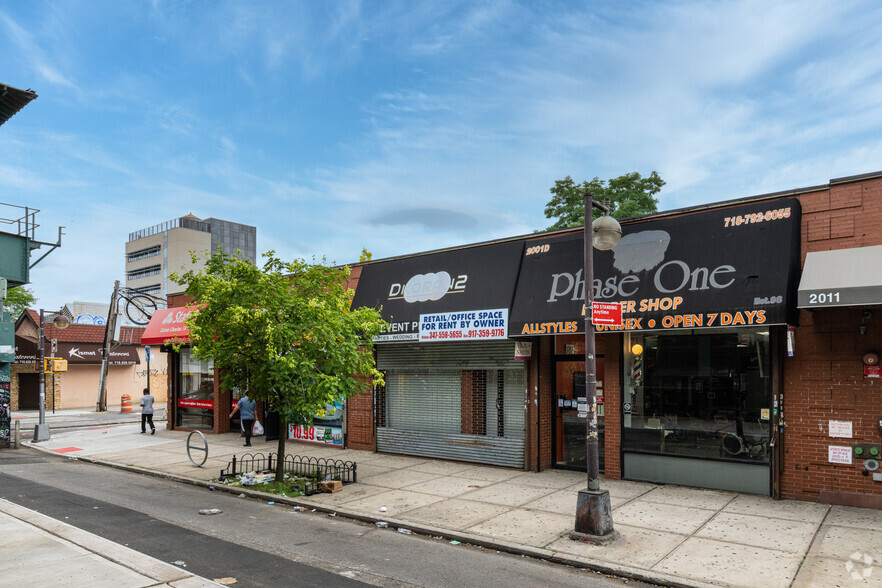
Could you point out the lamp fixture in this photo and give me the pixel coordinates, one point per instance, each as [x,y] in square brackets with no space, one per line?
[607,232]
[863,328]
[637,349]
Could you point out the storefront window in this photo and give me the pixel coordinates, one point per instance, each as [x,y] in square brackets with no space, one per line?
[698,394]
[195,392]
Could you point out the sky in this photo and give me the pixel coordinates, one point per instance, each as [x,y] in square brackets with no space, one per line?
[405,126]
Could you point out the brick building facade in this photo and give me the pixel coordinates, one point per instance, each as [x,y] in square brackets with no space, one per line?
[767,397]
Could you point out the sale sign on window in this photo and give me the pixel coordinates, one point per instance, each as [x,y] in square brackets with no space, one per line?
[321,435]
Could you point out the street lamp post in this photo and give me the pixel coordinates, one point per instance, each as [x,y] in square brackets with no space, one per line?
[41,429]
[593,509]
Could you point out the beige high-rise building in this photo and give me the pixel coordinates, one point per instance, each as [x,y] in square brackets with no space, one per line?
[155,252]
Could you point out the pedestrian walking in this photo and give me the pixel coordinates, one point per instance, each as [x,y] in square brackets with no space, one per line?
[147,412]
[245,406]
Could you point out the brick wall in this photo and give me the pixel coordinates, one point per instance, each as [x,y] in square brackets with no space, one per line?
[473,402]
[546,402]
[360,431]
[824,380]
[609,346]
[176,300]
[52,383]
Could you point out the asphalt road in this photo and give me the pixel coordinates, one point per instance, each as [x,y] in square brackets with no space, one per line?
[257,543]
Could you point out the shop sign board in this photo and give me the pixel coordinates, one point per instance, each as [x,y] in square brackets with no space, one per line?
[842,429]
[838,454]
[313,434]
[77,353]
[727,267]
[474,325]
[523,350]
[166,325]
[457,281]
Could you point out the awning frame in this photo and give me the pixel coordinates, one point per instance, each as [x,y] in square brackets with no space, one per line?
[841,278]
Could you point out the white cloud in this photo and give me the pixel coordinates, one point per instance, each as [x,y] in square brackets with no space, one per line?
[447,122]
[33,53]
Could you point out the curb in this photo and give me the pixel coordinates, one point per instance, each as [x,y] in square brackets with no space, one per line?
[163,573]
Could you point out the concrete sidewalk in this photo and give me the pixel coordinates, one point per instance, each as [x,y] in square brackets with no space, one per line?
[669,535]
[41,551]
[85,417]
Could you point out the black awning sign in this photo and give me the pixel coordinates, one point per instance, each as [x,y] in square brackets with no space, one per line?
[460,281]
[721,268]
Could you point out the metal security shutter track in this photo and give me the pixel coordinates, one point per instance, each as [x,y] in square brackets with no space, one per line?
[424,401]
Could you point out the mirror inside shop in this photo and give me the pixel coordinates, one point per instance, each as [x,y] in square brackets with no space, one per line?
[700,393]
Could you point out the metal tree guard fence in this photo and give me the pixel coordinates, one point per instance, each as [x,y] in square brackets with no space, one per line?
[310,469]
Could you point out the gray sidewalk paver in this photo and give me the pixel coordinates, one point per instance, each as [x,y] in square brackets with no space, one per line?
[366,470]
[554,481]
[560,502]
[762,506]
[778,534]
[622,492]
[399,478]
[642,548]
[446,486]
[454,513]
[841,542]
[662,517]
[730,564]
[856,571]
[488,474]
[691,497]
[352,493]
[399,462]
[508,494]
[849,516]
[524,527]
[441,468]
[395,502]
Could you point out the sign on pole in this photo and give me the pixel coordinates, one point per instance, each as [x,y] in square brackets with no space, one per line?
[606,313]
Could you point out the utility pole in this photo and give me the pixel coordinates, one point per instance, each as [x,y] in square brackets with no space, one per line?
[109,330]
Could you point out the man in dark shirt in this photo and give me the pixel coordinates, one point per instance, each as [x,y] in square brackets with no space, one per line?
[147,412]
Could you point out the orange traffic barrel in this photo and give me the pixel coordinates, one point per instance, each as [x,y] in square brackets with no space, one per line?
[126,403]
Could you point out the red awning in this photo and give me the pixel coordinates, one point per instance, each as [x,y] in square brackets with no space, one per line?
[167,326]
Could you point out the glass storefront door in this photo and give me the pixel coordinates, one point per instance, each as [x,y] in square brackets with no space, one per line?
[195,392]
[569,421]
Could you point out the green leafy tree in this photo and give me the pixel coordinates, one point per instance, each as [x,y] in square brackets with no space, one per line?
[629,195]
[18,299]
[284,332]
[365,255]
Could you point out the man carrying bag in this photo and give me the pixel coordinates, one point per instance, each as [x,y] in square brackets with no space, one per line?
[246,407]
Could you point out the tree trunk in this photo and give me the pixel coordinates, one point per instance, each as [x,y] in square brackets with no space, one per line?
[280,453]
